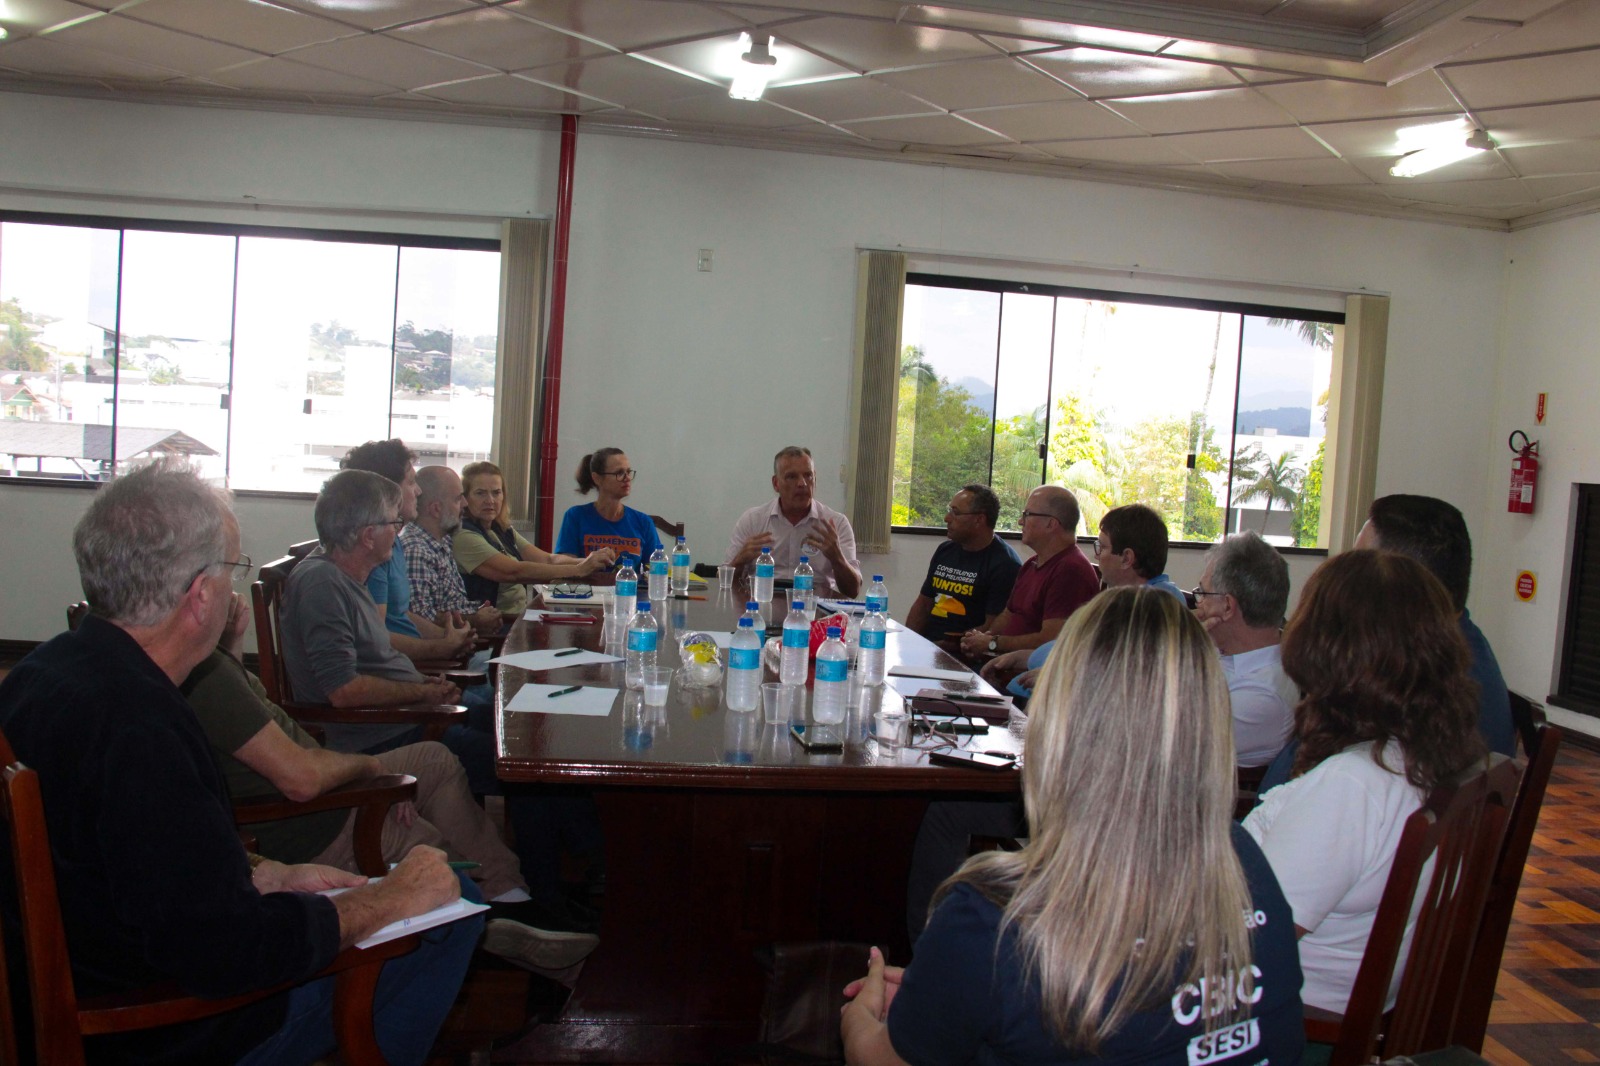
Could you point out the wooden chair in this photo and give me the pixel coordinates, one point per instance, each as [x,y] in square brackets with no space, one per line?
[671,529]
[61,1020]
[1483,969]
[1461,829]
[371,798]
[266,596]
[1527,716]
[303,548]
[1247,789]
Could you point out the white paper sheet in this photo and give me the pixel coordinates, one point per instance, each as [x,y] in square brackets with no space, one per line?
[553,659]
[417,923]
[589,700]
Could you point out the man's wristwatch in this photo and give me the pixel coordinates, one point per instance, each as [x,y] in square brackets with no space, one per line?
[994,645]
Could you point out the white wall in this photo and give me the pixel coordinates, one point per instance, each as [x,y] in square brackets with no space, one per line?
[702,376]
[1550,342]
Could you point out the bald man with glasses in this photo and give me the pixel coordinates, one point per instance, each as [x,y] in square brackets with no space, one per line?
[1049,587]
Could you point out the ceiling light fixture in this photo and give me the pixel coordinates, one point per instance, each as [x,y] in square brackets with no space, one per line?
[1442,155]
[756,68]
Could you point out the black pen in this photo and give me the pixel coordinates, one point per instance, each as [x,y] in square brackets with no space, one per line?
[569,651]
[561,692]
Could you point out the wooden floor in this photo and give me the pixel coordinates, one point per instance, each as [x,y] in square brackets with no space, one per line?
[1547,1004]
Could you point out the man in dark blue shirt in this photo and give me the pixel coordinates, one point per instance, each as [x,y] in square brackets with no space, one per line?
[153,882]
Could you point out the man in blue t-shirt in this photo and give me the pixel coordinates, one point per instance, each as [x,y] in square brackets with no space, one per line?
[970,577]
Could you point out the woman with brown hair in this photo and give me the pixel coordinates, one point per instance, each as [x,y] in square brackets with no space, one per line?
[496,560]
[1138,924]
[1387,713]
[607,522]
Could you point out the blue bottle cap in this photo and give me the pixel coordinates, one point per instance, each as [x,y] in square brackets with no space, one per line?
[805,558]
[877,577]
[752,606]
[833,632]
[747,623]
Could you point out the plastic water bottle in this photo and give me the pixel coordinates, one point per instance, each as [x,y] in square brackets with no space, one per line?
[658,575]
[643,636]
[680,567]
[626,592]
[766,571]
[796,653]
[805,580]
[870,659]
[878,595]
[831,692]
[752,611]
[744,668]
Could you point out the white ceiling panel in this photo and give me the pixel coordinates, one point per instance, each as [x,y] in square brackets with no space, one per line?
[286,76]
[498,38]
[251,24]
[867,45]
[929,129]
[1568,157]
[1552,124]
[1078,119]
[717,109]
[1121,151]
[153,45]
[1342,101]
[506,91]
[1096,72]
[51,57]
[1235,145]
[1327,170]
[631,24]
[625,80]
[1564,24]
[717,58]
[978,83]
[389,61]
[1508,82]
[848,99]
[1220,109]
[1377,138]
[1484,166]
[23,17]
[379,14]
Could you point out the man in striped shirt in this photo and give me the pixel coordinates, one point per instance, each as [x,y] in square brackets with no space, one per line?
[436,584]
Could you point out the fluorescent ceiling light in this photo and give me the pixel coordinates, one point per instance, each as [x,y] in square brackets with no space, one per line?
[755,67]
[1428,148]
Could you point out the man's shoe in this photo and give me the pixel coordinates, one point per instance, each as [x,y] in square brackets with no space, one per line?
[534,948]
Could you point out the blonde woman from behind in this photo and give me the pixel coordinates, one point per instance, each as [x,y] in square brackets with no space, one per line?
[1138,924]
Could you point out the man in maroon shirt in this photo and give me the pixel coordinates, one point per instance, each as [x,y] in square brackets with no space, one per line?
[1050,586]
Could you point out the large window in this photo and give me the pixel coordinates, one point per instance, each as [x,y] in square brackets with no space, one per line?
[264,355]
[1213,414]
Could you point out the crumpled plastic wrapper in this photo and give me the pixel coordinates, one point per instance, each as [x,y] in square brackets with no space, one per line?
[702,660]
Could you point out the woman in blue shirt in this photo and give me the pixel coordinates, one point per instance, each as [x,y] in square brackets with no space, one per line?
[607,522]
[1138,924]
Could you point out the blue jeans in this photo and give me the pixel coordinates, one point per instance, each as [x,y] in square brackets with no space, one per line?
[415,992]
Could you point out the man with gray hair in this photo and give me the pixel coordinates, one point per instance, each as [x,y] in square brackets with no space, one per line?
[796,524]
[335,646]
[437,588]
[1241,600]
[154,884]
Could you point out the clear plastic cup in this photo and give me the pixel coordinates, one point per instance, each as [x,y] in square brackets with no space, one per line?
[892,730]
[775,703]
[725,576]
[657,680]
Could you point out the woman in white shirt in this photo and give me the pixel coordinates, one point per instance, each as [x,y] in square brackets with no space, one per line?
[1388,713]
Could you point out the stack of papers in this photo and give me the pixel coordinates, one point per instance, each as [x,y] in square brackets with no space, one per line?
[417,923]
[554,658]
[586,700]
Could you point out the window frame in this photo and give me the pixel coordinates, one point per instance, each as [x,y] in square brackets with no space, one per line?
[122,223]
[1080,292]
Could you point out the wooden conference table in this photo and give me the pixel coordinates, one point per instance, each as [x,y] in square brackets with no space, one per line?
[722,836]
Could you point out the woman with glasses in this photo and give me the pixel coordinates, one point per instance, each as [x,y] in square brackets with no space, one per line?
[607,522]
[495,559]
[1138,924]
[1387,713]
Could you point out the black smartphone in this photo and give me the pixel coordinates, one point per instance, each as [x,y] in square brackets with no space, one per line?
[973,760]
[817,739]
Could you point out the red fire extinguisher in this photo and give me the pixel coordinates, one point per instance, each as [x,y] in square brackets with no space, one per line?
[1524,474]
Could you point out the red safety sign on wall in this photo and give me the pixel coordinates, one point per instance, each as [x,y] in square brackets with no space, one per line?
[1527,585]
[1538,414]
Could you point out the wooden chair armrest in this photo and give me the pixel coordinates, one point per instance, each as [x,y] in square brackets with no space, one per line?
[386,789]
[167,1004]
[439,666]
[405,714]
[1322,1026]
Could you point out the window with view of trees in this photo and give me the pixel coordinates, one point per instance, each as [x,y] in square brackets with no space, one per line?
[1213,414]
[262,355]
